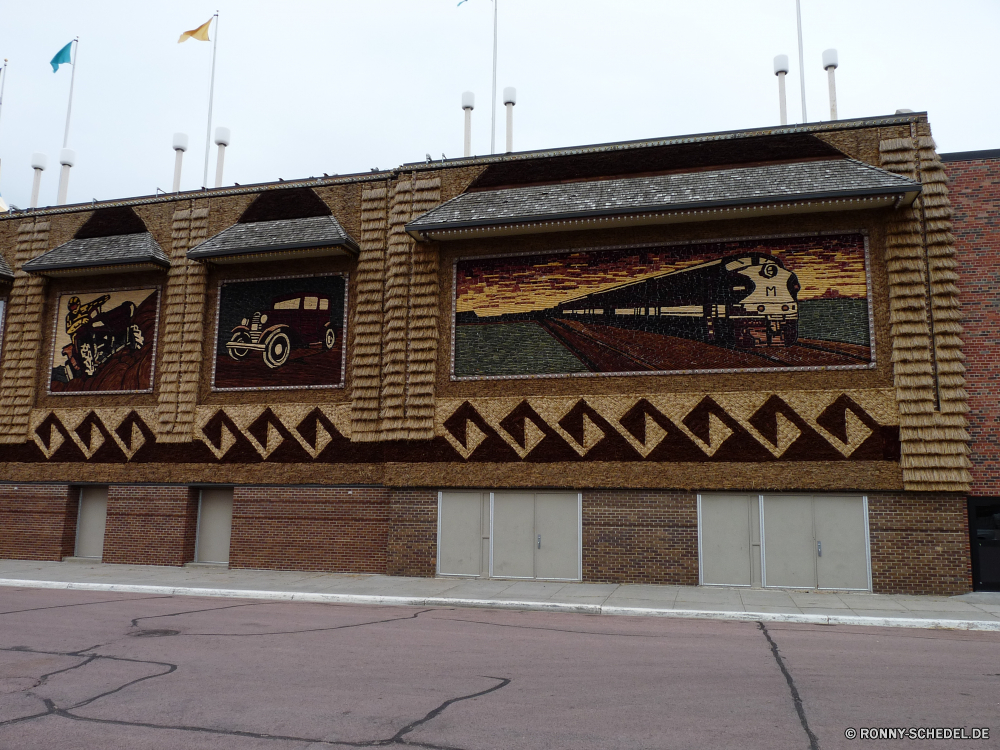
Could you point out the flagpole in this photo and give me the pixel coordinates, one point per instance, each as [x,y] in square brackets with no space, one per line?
[802,69]
[3,82]
[72,80]
[211,96]
[493,116]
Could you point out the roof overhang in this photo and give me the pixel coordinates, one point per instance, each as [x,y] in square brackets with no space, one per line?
[99,270]
[272,254]
[91,256]
[716,212]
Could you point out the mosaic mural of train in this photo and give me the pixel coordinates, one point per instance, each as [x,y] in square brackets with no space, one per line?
[739,302]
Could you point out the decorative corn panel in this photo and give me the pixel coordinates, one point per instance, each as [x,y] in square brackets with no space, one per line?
[23,335]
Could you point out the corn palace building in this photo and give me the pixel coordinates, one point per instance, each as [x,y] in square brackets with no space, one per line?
[721,359]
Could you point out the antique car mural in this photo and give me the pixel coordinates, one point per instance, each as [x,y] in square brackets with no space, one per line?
[293,321]
[105,341]
[285,332]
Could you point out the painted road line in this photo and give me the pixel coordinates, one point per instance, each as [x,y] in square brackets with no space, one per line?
[510,604]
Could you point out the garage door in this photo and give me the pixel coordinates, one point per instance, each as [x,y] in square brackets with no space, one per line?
[518,534]
[90,523]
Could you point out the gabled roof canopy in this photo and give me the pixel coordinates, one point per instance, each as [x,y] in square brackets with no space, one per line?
[817,185]
[112,240]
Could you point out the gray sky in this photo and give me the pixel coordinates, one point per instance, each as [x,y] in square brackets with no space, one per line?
[309,87]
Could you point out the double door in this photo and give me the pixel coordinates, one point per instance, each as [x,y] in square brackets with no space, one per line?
[784,541]
[519,534]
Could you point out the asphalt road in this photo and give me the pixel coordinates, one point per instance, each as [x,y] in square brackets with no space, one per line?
[91,670]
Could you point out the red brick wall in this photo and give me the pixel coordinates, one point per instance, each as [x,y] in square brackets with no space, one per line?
[640,536]
[919,544]
[38,521]
[310,528]
[150,524]
[975,199]
[412,547]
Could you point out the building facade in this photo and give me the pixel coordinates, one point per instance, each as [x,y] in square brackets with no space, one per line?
[974,185]
[732,359]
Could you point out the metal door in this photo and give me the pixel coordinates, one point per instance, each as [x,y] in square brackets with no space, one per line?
[512,550]
[460,525]
[557,535]
[841,543]
[788,544]
[215,524]
[90,522]
[984,529]
[725,533]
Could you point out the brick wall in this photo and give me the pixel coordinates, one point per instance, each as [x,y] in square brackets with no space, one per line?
[311,528]
[919,544]
[150,524]
[412,547]
[640,536]
[975,199]
[38,521]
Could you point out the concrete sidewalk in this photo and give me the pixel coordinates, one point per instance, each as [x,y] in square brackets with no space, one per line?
[975,611]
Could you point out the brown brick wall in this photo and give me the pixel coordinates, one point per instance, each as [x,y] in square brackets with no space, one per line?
[412,548]
[919,544]
[38,521]
[339,529]
[640,536]
[975,199]
[150,524]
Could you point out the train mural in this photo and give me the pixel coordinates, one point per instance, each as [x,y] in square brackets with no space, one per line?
[741,301]
[742,305]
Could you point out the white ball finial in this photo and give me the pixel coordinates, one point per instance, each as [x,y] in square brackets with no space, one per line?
[468,100]
[780,64]
[510,95]
[829,59]
[67,157]
[180,142]
[222,136]
[39,161]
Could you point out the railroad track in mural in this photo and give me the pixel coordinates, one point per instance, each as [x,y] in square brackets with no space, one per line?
[603,348]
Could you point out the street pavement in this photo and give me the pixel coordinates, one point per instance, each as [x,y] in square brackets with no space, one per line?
[89,669]
[973,611]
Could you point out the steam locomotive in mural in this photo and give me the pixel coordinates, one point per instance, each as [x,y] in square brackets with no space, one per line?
[738,302]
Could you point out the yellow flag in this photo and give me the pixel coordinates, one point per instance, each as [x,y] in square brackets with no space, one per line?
[201,33]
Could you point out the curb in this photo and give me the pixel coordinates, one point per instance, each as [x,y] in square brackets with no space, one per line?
[585,609]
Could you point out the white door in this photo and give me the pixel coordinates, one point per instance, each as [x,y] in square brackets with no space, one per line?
[513,535]
[215,523]
[460,533]
[725,523]
[557,535]
[789,544]
[841,543]
[91,521]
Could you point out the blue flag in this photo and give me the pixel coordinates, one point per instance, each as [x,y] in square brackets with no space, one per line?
[62,56]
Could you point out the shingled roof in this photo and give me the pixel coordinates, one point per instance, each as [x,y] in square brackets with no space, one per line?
[260,237]
[6,274]
[117,252]
[817,180]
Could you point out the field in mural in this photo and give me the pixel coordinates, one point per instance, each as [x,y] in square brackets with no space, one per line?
[281,333]
[797,303]
[104,341]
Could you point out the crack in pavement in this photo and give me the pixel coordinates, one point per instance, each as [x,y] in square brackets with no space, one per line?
[84,604]
[67,712]
[796,699]
[135,621]
[313,630]
[556,630]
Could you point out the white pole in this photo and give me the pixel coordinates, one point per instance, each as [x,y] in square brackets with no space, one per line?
[830,63]
[468,104]
[67,157]
[493,117]
[802,69]
[35,185]
[3,82]
[178,162]
[509,100]
[781,70]
[222,136]
[72,80]
[211,96]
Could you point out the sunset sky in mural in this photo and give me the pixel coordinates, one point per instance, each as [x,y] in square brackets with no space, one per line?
[831,266]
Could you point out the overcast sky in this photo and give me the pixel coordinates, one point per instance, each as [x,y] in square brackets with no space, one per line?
[340,87]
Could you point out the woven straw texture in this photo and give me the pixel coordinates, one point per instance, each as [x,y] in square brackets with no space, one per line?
[184,310]
[926,330]
[23,335]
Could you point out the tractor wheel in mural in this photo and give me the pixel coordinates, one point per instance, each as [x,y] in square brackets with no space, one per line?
[329,339]
[276,349]
[236,352]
